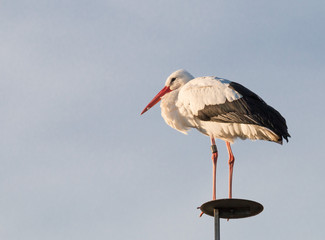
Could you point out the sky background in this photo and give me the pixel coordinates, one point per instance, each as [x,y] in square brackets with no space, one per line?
[77,161]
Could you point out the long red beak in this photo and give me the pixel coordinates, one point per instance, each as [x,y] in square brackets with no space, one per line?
[156,99]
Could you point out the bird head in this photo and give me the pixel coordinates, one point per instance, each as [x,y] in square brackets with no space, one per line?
[175,81]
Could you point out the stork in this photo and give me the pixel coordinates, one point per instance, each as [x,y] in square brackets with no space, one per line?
[218,108]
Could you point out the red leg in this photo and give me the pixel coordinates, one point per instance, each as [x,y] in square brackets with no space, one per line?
[231,162]
[214,162]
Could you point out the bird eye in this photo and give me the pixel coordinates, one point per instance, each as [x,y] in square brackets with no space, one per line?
[173,79]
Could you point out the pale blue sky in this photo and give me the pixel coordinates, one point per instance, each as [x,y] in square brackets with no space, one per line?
[77,160]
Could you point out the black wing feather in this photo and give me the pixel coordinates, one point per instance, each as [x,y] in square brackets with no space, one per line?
[249,109]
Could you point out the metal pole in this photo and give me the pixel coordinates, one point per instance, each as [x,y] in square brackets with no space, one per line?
[216,224]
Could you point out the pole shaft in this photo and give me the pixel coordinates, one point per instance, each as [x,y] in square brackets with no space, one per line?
[216,225]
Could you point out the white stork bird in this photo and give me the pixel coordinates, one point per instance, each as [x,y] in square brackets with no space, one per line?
[220,109]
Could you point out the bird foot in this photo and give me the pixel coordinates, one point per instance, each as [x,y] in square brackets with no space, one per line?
[201,211]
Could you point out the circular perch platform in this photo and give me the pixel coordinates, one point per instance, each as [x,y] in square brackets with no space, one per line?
[232,208]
